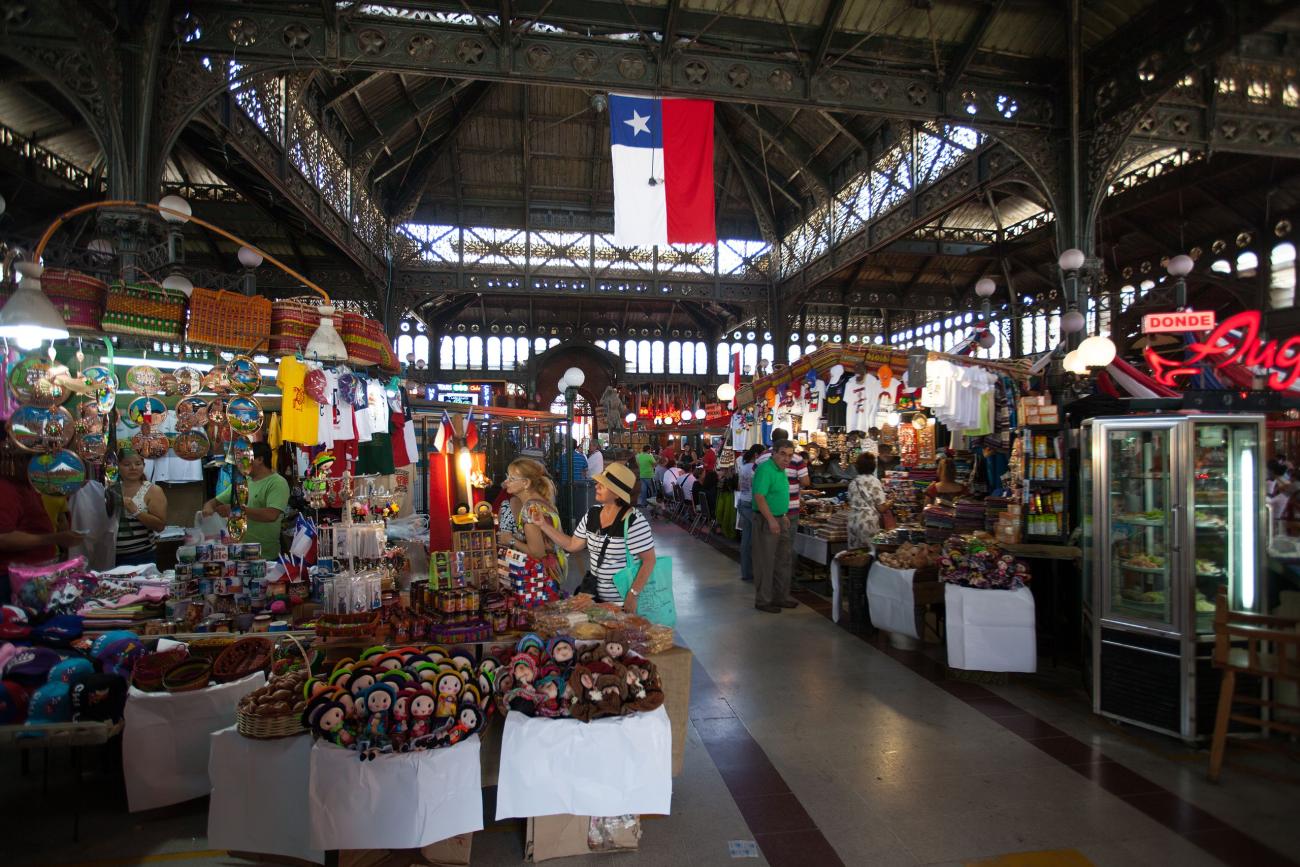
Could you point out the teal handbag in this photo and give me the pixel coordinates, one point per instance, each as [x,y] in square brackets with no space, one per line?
[655,603]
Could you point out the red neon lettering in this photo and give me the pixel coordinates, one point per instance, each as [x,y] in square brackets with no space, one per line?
[1247,350]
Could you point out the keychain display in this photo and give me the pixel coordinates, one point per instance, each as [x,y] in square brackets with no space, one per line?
[37,429]
[57,474]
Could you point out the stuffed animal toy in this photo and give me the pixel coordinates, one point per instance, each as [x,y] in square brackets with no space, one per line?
[329,721]
[613,691]
[551,689]
[401,730]
[648,693]
[467,722]
[586,695]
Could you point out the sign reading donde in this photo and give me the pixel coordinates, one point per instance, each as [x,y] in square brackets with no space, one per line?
[1182,320]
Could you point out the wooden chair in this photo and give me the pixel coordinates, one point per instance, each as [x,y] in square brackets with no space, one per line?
[1256,646]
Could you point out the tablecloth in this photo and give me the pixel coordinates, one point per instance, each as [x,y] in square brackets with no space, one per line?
[991,630]
[890,600]
[165,742]
[397,801]
[607,767]
[725,514]
[257,795]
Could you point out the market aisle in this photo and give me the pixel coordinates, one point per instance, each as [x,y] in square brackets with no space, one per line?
[890,768]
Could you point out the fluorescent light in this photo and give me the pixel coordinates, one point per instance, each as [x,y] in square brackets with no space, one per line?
[1245,492]
[166,364]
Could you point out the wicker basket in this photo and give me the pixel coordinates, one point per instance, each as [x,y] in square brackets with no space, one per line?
[147,675]
[242,658]
[228,320]
[79,297]
[292,325]
[145,310]
[211,648]
[189,676]
[264,727]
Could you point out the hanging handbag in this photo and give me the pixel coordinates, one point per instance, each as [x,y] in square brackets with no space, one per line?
[655,602]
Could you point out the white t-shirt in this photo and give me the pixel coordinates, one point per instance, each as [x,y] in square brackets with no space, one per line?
[377,406]
[862,398]
[814,398]
[595,464]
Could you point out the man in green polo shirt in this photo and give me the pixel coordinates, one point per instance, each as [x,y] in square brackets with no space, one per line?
[772,536]
[645,466]
[268,499]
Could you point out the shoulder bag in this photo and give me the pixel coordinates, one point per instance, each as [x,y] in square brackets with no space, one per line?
[590,583]
[655,603]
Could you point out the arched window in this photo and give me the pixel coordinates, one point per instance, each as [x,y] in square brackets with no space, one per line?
[629,355]
[600,344]
[768,353]
[521,350]
[675,357]
[701,358]
[553,342]
[445,359]
[476,353]
[494,353]
[643,356]
[1221,266]
[1282,278]
[612,346]
[751,357]
[405,346]
[508,354]
[422,348]
[810,349]
[724,359]
[462,353]
[793,355]
[1247,264]
[539,345]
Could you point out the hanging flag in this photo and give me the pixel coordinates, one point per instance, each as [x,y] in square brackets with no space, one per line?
[304,534]
[662,154]
[471,431]
[444,439]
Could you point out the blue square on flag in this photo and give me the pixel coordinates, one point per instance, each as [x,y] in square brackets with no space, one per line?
[662,154]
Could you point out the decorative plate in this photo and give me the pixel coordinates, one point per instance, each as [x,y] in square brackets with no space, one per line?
[217,411]
[36,429]
[150,445]
[141,407]
[91,447]
[191,412]
[241,455]
[144,379]
[31,382]
[245,376]
[58,474]
[191,445]
[244,415]
[217,380]
[189,381]
[106,387]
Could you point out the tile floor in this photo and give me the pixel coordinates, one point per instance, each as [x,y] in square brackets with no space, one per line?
[826,749]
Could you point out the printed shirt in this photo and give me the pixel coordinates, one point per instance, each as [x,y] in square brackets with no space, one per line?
[300,415]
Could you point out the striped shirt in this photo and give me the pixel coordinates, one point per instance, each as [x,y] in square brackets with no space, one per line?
[134,537]
[639,540]
[572,467]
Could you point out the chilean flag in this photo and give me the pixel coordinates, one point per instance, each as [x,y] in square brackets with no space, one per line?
[662,152]
[444,439]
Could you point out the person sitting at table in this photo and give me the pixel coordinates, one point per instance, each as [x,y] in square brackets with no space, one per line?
[947,488]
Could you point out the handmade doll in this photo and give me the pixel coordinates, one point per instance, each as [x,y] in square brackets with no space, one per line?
[612,693]
[648,693]
[329,723]
[467,722]
[489,666]
[531,643]
[462,661]
[562,652]
[401,730]
[378,702]
[586,695]
[549,688]
[523,668]
[421,711]
[448,688]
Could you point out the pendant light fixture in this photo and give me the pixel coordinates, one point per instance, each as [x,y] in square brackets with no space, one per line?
[29,318]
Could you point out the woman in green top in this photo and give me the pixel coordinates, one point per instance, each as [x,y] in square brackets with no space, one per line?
[268,498]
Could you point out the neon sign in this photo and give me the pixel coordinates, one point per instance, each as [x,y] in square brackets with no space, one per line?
[1236,340]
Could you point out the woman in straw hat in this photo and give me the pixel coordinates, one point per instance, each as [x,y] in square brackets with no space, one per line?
[603,529]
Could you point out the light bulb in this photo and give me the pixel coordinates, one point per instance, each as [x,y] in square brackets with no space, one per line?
[249,258]
[630,418]
[1180,265]
[985,287]
[1072,259]
[1073,364]
[687,415]
[726,391]
[175,203]
[575,377]
[1097,351]
[178,283]
[28,340]
[1072,321]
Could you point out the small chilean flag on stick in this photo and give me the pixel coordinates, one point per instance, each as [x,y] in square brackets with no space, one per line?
[662,152]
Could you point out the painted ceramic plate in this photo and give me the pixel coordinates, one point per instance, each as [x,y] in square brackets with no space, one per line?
[89,421]
[245,377]
[36,429]
[217,411]
[144,379]
[244,415]
[191,445]
[91,447]
[189,381]
[59,474]
[217,380]
[241,455]
[141,407]
[105,387]
[191,412]
[31,383]
[150,445]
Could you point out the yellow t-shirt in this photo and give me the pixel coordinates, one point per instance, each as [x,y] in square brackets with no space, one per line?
[300,415]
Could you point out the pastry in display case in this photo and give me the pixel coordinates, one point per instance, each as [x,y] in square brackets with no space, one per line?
[1172,511]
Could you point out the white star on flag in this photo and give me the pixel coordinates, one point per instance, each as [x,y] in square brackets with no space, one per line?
[639,124]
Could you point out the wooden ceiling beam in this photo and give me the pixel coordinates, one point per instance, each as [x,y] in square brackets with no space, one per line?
[762,212]
[347,88]
[461,113]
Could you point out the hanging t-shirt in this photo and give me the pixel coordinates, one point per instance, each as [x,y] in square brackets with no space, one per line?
[300,414]
[862,397]
[377,406]
[814,396]
[376,456]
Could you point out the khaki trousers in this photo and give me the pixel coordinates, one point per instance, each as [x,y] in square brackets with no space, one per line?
[773,561]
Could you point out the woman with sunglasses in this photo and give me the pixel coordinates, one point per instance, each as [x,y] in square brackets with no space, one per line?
[603,530]
[532,503]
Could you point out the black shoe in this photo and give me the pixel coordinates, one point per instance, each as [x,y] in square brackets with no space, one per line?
[768,609]
[789,603]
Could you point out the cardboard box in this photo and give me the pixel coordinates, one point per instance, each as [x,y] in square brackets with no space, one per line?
[452,852]
[565,836]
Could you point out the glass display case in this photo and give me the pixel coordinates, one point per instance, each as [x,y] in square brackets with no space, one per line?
[1172,511]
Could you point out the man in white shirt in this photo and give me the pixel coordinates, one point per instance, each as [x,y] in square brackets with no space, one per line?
[595,460]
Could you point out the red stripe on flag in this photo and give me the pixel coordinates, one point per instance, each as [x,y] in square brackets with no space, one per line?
[688,170]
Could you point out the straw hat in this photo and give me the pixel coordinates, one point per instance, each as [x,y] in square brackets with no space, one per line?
[619,479]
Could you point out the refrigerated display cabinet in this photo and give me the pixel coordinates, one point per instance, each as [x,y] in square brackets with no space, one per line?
[1173,509]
